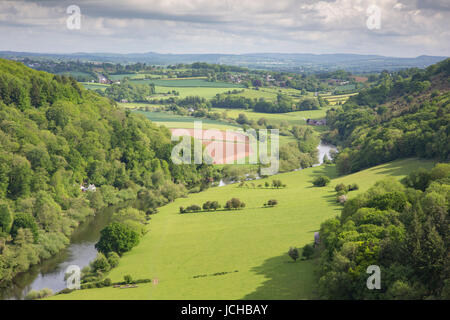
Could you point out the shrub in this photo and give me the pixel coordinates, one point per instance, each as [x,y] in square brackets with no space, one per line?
[33,294]
[193,208]
[352,187]
[100,263]
[271,203]
[341,187]
[113,259]
[308,251]
[321,181]
[234,203]
[293,253]
[128,279]
[107,282]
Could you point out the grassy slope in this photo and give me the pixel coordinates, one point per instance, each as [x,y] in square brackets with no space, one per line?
[253,241]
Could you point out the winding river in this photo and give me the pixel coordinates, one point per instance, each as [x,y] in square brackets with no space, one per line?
[50,273]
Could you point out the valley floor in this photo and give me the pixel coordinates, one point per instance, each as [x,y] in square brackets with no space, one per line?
[250,245]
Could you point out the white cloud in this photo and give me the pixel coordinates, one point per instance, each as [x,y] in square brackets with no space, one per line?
[408,27]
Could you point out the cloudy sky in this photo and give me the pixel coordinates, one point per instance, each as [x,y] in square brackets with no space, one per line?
[407,28]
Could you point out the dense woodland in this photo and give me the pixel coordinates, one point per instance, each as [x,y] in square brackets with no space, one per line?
[406,114]
[55,137]
[403,229]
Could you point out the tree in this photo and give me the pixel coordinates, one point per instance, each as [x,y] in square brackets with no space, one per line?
[215,205]
[118,238]
[308,251]
[293,253]
[113,259]
[127,279]
[25,221]
[100,263]
[5,218]
[341,187]
[234,203]
[321,181]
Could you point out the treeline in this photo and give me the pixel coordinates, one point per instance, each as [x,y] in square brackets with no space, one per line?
[283,103]
[401,228]
[415,120]
[129,91]
[55,137]
[232,204]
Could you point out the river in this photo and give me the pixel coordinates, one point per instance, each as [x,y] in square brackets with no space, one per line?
[50,273]
[324,149]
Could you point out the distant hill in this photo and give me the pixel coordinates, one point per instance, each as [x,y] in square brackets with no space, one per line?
[295,62]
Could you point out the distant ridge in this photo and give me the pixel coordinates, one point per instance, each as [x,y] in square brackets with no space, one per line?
[294,62]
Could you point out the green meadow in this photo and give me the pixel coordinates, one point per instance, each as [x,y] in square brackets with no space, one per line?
[238,254]
[176,121]
[204,92]
[94,86]
[188,83]
[293,118]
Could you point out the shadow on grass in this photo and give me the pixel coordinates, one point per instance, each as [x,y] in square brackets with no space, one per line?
[399,168]
[285,279]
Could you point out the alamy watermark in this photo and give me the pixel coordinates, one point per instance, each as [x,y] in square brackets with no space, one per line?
[374,280]
[73,21]
[73,277]
[373,21]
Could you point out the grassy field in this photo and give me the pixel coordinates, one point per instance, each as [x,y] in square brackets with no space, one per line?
[204,92]
[195,83]
[187,122]
[293,118]
[336,99]
[248,245]
[94,86]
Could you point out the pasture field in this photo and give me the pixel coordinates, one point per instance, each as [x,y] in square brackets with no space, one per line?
[204,92]
[173,121]
[269,93]
[293,118]
[238,254]
[94,86]
[188,83]
[134,76]
[335,99]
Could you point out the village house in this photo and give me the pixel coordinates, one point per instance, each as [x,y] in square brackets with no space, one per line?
[90,188]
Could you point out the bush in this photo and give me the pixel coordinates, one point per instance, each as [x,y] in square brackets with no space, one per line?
[352,187]
[128,279]
[107,282]
[234,203]
[308,251]
[100,263]
[293,253]
[341,187]
[271,203]
[113,259]
[193,208]
[321,181]
[33,294]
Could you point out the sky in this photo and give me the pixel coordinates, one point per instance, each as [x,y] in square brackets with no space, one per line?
[406,28]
